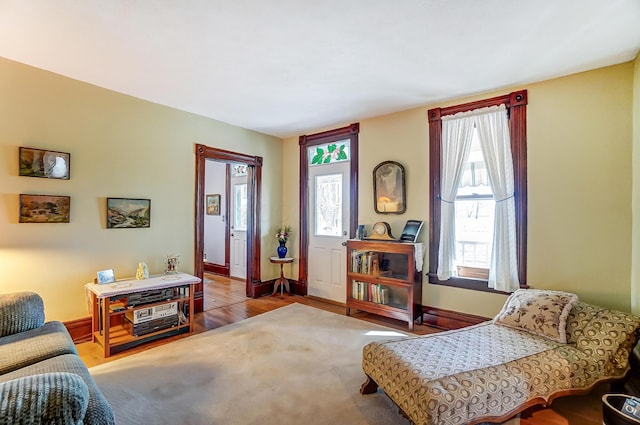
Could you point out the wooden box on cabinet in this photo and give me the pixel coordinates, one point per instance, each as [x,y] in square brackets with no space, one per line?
[382,279]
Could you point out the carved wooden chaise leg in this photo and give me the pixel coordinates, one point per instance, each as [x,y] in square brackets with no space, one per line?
[369,386]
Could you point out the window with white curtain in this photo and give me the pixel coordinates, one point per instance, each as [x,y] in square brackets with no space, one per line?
[475,215]
[478,194]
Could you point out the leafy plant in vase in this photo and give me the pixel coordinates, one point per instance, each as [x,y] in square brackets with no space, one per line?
[282,235]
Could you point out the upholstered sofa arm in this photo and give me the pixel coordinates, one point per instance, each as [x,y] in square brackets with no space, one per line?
[608,336]
[57,397]
[19,312]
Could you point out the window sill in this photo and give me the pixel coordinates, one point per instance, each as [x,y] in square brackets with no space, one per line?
[464,283]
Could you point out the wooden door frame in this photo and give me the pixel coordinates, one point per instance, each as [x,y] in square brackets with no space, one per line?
[349,132]
[254,184]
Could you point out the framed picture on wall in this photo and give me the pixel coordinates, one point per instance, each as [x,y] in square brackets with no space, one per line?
[44,209]
[389,188]
[42,163]
[213,204]
[128,213]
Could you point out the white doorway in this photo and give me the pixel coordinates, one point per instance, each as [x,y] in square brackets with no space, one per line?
[226,219]
[238,242]
[215,218]
[329,201]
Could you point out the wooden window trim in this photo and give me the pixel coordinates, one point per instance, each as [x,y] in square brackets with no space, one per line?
[516,103]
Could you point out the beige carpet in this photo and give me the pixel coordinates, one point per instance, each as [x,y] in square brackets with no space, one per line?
[293,365]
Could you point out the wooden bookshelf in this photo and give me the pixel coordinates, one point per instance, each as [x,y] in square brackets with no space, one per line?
[383,279]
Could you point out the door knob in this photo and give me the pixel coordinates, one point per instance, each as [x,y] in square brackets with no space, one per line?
[344,243]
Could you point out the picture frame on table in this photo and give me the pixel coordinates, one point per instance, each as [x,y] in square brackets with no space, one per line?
[105,276]
[43,163]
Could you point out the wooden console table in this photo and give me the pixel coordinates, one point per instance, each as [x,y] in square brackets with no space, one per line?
[113,305]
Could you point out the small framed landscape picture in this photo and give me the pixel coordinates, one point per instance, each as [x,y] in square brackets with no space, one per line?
[123,213]
[213,204]
[44,209]
[46,164]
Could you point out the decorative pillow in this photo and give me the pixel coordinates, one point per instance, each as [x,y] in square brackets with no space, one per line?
[538,311]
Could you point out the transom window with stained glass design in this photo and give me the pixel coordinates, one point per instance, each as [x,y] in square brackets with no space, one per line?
[329,153]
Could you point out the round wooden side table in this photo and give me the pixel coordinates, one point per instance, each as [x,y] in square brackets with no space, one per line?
[281,281]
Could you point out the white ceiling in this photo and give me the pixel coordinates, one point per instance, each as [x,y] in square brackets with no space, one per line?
[289,67]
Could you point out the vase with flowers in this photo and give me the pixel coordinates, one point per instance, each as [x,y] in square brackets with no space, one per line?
[282,235]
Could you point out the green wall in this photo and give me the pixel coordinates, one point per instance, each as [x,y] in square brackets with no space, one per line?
[120,147]
[579,131]
[582,131]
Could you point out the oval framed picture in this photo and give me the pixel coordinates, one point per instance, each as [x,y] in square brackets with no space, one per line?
[389,188]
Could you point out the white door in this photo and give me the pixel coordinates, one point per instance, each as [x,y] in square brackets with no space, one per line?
[238,243]
[328,230]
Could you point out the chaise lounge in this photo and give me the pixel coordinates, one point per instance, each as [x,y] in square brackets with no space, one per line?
[542,345]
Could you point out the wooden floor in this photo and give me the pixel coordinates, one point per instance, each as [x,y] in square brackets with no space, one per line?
[225,302]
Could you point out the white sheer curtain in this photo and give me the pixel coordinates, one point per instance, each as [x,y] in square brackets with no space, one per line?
[457,132]
[493,132]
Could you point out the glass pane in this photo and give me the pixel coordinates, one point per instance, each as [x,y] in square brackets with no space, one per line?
[474,232]
[240,206]
[475,178]
[328,205]
[474,212]
[329,153]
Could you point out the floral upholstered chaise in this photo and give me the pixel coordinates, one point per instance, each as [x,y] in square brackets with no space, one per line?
[542,345]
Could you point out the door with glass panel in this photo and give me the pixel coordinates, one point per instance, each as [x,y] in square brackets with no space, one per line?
[238,242]
[329,202]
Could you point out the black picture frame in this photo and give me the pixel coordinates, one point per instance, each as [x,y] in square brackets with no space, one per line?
[128,213]
[43,163]
[389,193]
[411,231]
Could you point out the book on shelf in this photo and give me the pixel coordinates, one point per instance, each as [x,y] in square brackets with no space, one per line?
[359,290]
[365,262]
[372,292]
